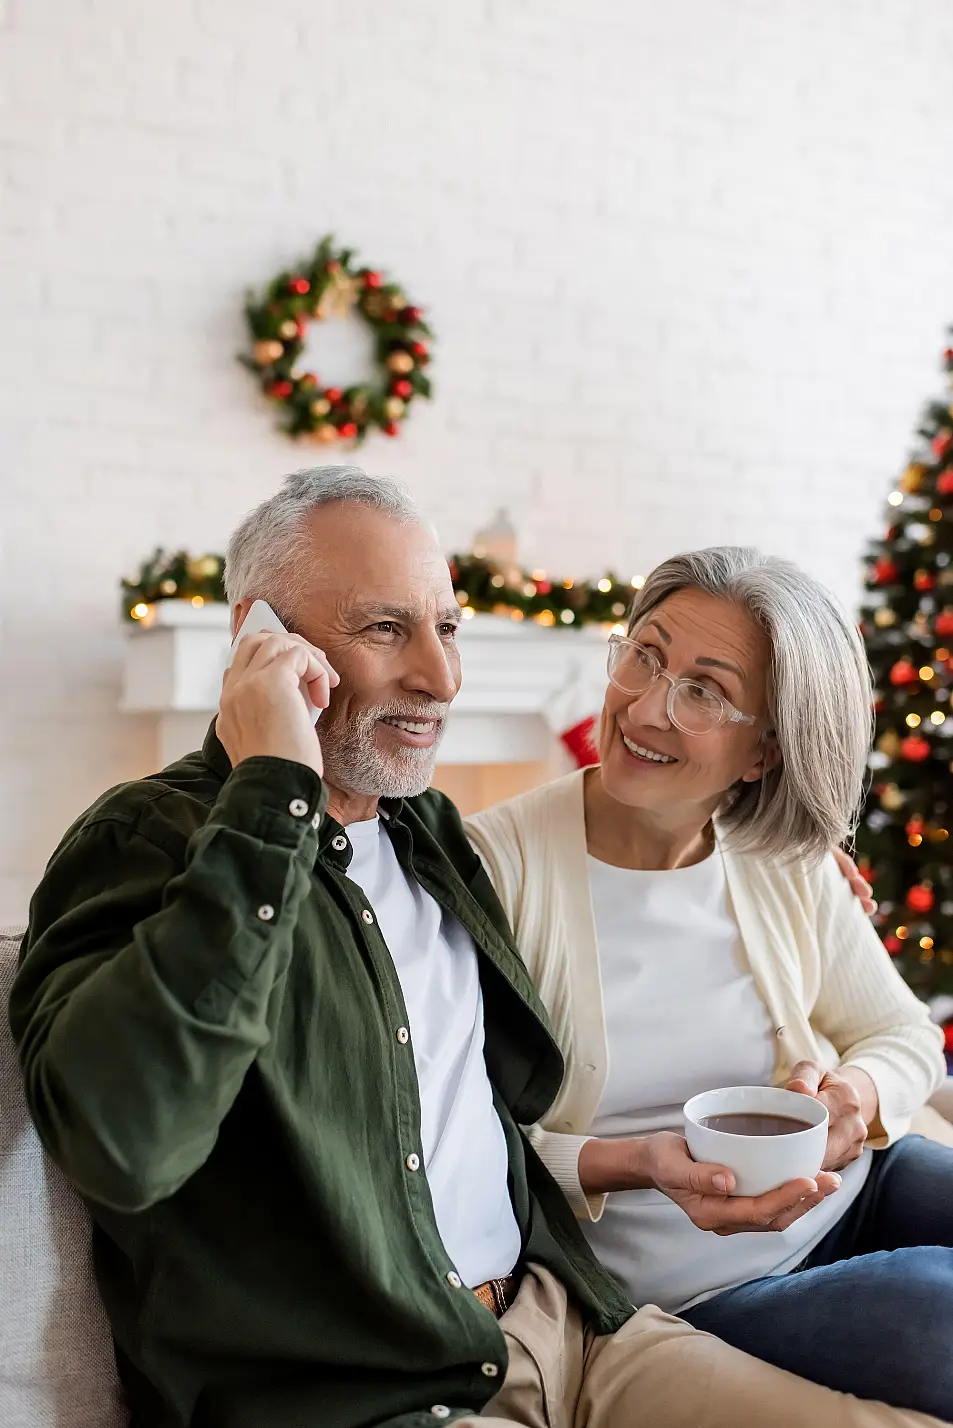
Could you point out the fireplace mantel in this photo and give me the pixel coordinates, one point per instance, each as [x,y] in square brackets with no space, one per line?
[512,674]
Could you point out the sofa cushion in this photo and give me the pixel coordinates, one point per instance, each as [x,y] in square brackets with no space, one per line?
[57,1368]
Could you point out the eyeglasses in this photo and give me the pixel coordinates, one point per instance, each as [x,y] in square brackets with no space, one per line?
[691,707]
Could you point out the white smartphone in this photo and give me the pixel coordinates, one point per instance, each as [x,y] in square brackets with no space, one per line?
[262,617]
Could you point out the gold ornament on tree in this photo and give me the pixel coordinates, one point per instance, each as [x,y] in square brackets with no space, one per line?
[912,478]
[889,744]
[891,799]
[885,617]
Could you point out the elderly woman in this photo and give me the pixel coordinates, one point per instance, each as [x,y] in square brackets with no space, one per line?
[687,928]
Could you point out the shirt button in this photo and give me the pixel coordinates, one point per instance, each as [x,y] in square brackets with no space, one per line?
[297,807]
[403,1035]
[780,1031]
[490,1370]
[266,912]
[367,916]
[440,1410]
[316,821]
[412,1162]
[454,1279]
[339,843]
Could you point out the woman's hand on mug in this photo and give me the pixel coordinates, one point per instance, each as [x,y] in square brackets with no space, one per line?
[703,1191]
[662,1162]
[847,1131]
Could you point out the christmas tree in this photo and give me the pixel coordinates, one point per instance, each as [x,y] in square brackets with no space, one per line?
[905,839]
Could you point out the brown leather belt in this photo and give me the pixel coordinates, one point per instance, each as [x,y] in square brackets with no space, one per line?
[498,1295]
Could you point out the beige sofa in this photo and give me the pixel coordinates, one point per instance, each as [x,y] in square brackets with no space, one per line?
[56,1360]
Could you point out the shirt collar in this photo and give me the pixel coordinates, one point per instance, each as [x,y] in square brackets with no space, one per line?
[213,752]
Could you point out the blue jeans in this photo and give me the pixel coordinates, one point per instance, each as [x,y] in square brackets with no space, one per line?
[870,1311]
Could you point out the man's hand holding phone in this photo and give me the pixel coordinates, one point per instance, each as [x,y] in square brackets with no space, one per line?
[262,711]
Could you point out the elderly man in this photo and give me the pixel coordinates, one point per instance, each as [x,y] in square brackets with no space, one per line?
[274,1028]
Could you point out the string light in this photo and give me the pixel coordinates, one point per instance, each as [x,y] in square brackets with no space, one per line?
[942,654]
[903,933]
[568,584]
[497,581]
[545,617]
[913,720]
[538,574]
[139,612]
[617,630]
[198,601]
[926,671]
[566,616]
[915,840]
[516,615]
[605,586]
[468,612]
[462,597]
[895,498]
[637,582]
[938,717]
[936,514]
[529,589]
[926,943]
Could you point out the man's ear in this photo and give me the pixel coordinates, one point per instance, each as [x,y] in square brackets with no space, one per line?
[239,610]
[769,756]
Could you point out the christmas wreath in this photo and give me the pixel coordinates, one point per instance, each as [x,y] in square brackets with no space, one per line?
[331,285]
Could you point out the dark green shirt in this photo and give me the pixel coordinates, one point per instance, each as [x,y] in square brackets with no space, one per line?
[207,1014]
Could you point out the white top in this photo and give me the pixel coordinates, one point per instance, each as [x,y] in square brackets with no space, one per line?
[683,1015]
[462,1142]
[831,991]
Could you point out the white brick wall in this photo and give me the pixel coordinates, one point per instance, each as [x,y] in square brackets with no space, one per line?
[689,265]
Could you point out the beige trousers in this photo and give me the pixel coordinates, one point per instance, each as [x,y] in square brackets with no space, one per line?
[656,1372]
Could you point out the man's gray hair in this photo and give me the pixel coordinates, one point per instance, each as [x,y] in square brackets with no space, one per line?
[268,556]
[819,699]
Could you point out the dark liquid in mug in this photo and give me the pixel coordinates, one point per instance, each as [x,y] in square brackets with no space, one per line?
[754,1123]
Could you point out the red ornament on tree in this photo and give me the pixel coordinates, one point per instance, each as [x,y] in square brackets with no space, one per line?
[403,388]
[334,394]
[944,484]
[893,944]
[885,572]
[943,624]
[903,672]
[920,899]
[308,379]
[410,316]
[280,390]
[348,430]
[923,580]
[420,351]
[915,749]
[372,280]
[942,442]
[390,428]
[299,286]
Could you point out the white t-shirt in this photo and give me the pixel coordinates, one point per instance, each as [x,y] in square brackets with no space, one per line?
[683,1015]
[462,1142]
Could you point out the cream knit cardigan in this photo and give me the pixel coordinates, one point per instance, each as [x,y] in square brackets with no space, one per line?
[830,988]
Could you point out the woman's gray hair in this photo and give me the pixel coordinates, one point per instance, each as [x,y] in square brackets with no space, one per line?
[819,699]
[269,557]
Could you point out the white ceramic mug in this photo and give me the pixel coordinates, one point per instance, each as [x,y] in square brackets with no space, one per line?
[760,1162]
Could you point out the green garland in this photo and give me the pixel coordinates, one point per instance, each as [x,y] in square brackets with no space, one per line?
[480,585]
[331,284]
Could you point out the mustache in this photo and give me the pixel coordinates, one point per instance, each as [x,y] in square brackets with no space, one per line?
[437,712]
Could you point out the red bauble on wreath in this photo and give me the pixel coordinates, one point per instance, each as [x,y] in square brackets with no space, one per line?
[943,624]
[332,285]
[915,749]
